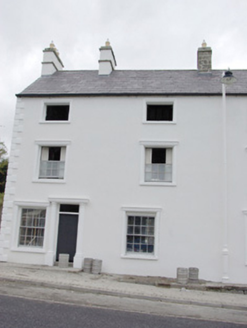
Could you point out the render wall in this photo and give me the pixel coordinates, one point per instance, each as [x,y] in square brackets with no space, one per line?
[103,165]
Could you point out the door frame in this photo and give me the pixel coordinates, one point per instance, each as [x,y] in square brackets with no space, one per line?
[52,230]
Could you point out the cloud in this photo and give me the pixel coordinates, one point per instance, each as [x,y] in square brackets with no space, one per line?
[145,34]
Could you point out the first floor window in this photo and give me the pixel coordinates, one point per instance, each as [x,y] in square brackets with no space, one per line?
[158,164]
[52,163]
[140,234]
[32,227]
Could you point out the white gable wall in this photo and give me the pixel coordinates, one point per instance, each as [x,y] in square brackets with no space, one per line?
[104,138]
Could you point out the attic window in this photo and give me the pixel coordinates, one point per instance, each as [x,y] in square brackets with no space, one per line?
[159,112]
[57,113]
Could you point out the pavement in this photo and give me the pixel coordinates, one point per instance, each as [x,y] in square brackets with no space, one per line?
[160,289]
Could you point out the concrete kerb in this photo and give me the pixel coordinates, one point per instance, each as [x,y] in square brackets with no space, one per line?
[121,294]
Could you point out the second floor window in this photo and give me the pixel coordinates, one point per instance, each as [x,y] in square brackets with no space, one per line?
[159,112]
[57,113]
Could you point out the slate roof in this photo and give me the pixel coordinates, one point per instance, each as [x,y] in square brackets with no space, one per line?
[134,82]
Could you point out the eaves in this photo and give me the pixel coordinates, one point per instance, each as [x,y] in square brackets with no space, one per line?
[39,95]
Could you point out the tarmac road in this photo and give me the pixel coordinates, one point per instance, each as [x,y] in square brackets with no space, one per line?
[16,308]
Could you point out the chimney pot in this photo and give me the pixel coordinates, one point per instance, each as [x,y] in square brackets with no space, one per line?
[52,45]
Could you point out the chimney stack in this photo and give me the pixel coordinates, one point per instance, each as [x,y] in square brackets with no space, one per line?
[107,61]
[204,58]
[51,60]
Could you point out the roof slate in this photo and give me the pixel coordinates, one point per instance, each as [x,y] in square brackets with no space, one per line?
[134,82]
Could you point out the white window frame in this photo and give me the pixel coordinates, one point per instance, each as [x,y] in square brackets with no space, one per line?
[160,101]
[158,144]
[18,206]
[55,102]
[142,211]
[48,143]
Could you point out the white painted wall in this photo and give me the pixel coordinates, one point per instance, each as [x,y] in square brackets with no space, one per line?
[103,165]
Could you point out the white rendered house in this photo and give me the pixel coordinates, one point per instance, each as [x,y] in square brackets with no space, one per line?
[141,169]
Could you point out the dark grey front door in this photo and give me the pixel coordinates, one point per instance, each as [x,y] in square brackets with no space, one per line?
[67,235]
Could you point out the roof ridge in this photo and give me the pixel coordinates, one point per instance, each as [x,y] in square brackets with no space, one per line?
[153,70]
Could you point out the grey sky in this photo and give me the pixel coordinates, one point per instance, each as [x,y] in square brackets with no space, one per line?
[144,34]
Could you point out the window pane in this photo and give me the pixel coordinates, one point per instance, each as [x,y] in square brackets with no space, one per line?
[29,221]
[136,248]
[69,208]
[137,220]
[130,220]
[137,230]
[150,231]
[52,169]
[158,155]
[57,113]
[130,248]
[22,231]
[54,153]
[136,240]
[158,172]
[143,240]
[42,222]
[160,112]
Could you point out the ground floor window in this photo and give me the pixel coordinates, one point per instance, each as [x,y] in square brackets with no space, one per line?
[32,227]
[140,237]
[140,234]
